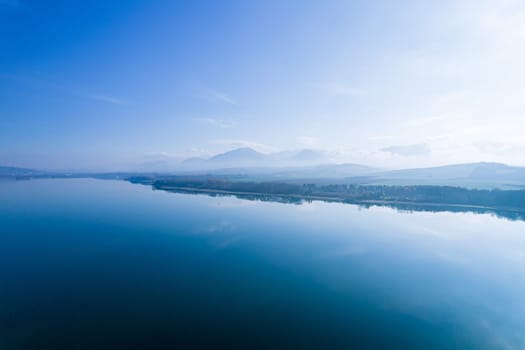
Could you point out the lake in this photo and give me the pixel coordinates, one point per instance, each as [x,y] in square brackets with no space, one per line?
[94,264]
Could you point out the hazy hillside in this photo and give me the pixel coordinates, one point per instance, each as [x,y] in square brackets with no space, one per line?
[478,175]
[247,157]
[245,154]
[248,165]
[325,171]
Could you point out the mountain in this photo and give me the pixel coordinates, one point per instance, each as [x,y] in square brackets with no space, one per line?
[502,171]
[325,173]
[247,163]
[461,171]
[481,175]
[248,157]
[245,154]
[239,157]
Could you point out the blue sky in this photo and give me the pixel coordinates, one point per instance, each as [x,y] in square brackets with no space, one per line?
[112,84]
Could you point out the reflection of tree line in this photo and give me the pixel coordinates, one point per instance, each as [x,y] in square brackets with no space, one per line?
[504,203]
[514,215]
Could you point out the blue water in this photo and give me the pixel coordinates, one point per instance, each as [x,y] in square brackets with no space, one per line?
[92,264]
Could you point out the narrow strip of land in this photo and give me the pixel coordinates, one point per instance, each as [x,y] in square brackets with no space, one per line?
[186,189]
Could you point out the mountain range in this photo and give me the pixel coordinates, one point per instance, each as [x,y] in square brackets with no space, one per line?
[314,164]
[248,157]
[318,167]
[474,175]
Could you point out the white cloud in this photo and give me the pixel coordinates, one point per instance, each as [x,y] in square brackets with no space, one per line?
[239,143]
[420,149]
[213,95]
[221,123]
[460,81]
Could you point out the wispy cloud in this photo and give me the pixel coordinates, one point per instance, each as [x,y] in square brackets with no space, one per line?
[108,99]
[238,143]
[48,84]
[213,95]
[408,150]
[220,96]
[220,123]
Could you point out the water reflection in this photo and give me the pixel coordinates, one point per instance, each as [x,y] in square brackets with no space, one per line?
[88,264]
[503,213]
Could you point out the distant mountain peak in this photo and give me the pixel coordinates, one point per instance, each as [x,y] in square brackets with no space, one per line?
[238,154]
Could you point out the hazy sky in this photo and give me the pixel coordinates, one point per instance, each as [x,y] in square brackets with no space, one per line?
[108,84]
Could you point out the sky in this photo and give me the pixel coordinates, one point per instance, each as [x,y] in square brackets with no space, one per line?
[113,84]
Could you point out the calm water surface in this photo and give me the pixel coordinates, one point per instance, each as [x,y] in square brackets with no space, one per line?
[91,264]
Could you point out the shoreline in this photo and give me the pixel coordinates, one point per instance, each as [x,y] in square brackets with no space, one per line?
[377,202]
